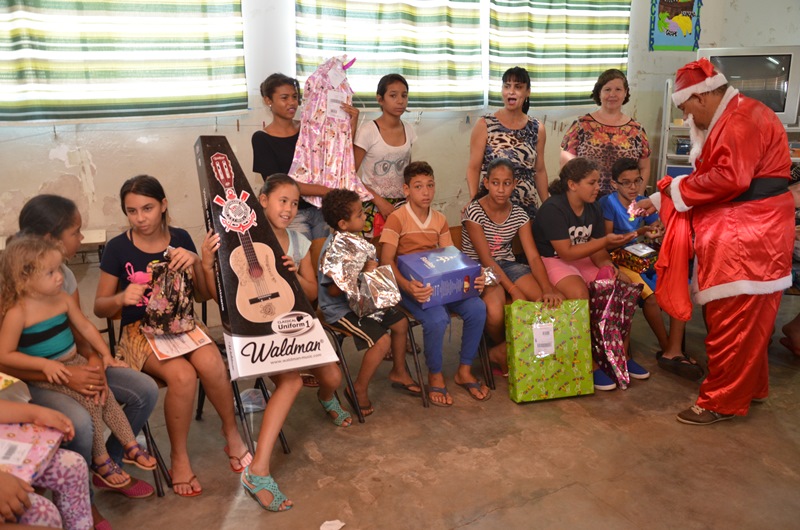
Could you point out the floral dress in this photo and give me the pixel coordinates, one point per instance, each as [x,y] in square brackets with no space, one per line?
[605,144]
[324,151]
[518,146]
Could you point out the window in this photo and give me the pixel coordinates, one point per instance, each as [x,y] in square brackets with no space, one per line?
[453,53]
[109,59]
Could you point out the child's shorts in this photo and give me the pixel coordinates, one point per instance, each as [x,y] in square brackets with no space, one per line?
[637,278]
[514,270]
[366,331]
[558,269]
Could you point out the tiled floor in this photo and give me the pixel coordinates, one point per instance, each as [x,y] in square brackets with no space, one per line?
[613,460]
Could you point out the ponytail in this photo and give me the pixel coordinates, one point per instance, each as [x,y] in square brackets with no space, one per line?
[575,170]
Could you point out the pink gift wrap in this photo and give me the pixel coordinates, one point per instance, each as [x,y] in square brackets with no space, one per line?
[37,444]
[612,304]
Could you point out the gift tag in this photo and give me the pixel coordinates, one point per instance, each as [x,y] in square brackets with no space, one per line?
[543,344]
[334,105]
[336,75]
[641,250]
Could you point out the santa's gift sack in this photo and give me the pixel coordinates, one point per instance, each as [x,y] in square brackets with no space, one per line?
[612,303]
[170,309]
[549,350]
[634,261]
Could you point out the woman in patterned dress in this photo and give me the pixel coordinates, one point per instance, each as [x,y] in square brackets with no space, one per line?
[606,135]
[510,133]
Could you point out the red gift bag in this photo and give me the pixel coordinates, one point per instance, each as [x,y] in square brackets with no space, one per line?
[611,307]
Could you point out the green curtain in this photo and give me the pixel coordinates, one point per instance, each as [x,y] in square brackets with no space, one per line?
[109,59]
[435,45]
[564,45]
[453,53]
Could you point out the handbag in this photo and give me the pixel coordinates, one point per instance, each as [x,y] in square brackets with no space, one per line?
[170,310]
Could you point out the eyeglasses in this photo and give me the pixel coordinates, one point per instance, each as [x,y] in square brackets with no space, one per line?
[629,183]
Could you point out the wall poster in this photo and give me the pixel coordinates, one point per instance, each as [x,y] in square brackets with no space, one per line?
[674,25]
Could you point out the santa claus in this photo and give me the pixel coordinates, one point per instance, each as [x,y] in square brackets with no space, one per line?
[742,223]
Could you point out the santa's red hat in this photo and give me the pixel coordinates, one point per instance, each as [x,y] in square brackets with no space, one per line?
[696,77]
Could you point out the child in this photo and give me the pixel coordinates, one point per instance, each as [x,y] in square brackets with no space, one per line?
[416,227]
[127,257]
[280,196]
[66,475]
[570,235]
[343,212]
[490,223]
[35,335]
[627,181]
[382,150]
[58,219]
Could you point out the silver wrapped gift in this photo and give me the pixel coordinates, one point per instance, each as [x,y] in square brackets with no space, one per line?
[367,292]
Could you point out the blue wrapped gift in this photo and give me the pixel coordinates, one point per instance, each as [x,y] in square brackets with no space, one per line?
[449,271]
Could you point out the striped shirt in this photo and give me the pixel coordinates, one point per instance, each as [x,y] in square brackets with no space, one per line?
[498,236]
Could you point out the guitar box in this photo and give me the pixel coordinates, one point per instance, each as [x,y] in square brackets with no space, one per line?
[268,323]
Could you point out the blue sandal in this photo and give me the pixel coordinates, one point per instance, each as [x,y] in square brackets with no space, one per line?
[264,483]
[333,405]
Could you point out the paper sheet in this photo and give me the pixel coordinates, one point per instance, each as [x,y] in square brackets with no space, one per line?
[169,346]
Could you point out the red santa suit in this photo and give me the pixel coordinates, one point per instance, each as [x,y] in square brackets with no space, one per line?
[743,228]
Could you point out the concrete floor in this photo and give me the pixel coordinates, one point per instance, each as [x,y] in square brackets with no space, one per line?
[613,460]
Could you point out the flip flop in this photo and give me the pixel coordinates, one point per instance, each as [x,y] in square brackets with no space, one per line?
[408,387]
[477,386]
[193,492]
[243,460]
[366,410]
[309,380]
[132,455]
[681,366]
[438,390]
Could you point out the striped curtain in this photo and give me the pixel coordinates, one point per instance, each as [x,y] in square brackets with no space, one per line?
[564,44]
[109,58]
[434,44]
[453,53]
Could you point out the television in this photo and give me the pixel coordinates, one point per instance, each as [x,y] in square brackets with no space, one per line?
[770,74]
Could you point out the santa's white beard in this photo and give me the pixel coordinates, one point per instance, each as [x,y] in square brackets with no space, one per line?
[697,138]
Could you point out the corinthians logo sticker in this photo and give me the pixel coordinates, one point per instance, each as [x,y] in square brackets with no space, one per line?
[293,323]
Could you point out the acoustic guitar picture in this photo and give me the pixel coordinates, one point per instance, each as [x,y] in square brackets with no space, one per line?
[263,294]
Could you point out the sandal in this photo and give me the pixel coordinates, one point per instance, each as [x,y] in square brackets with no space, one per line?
[193,492]
[682,366]
[134,453]
[333,405]
[111,469]
[366,409]
[243,460]
[438,390]
[309,380]
[264,483]
[475,385]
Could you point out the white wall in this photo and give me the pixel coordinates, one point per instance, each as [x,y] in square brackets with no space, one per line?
[88,162]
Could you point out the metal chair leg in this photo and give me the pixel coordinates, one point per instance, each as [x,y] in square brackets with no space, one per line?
[487,365]
[417,365]
[201,399]
[263,387]
[248,437]
[161,467]
[351,395]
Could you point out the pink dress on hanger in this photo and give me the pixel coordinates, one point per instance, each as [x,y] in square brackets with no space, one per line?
[324,152]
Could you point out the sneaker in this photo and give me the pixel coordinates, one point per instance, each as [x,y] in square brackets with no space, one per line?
[636,370]
[700,416]
[135,489]
[602,381]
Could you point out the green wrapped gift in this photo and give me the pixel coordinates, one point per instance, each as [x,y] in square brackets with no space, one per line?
[549,350]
